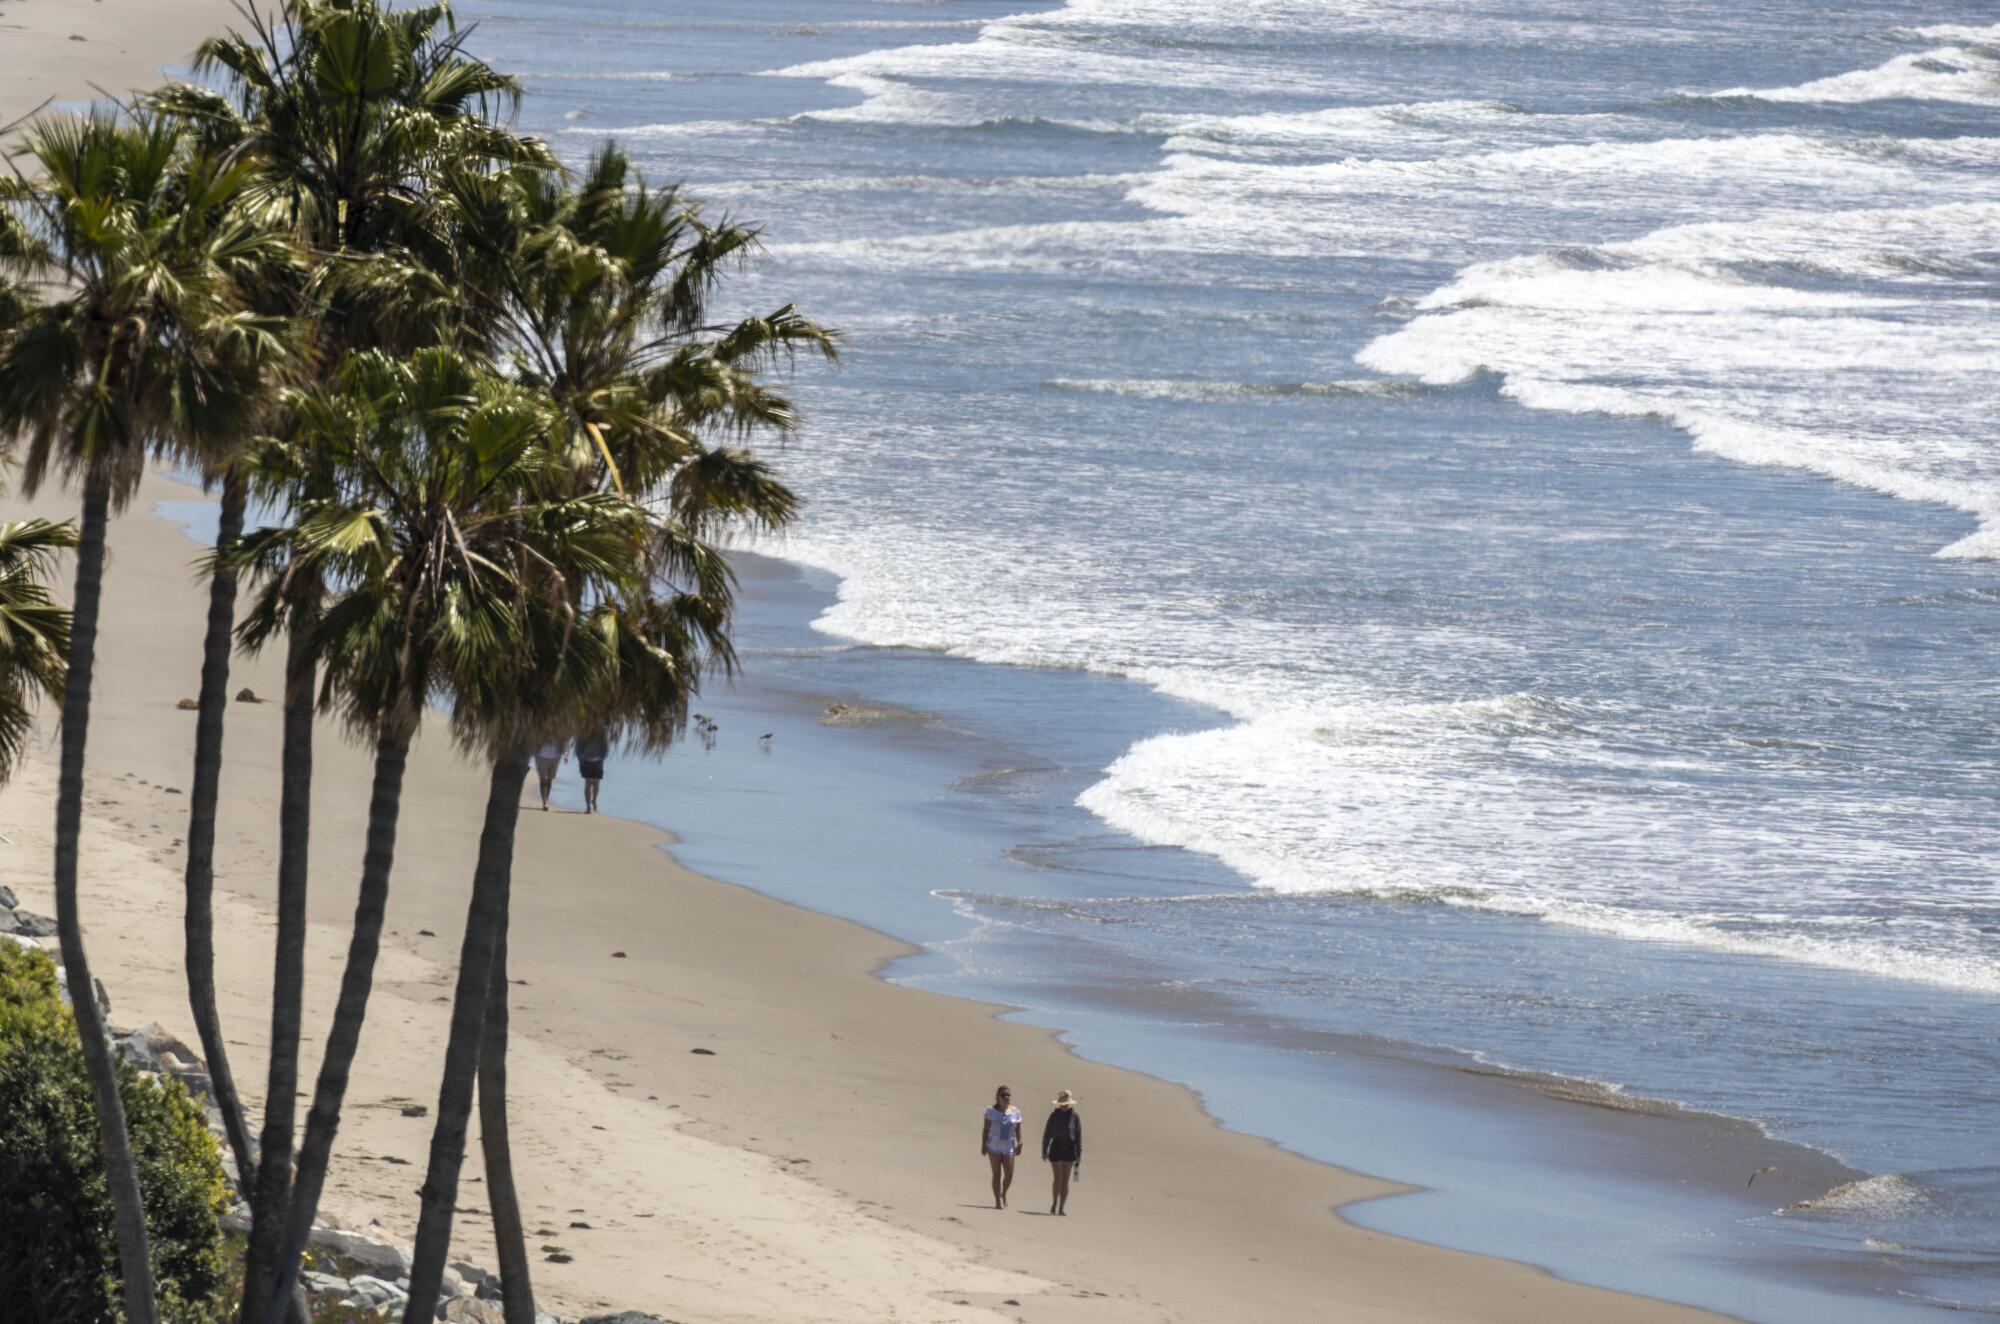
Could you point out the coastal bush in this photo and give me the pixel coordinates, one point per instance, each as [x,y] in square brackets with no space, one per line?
[58,1250]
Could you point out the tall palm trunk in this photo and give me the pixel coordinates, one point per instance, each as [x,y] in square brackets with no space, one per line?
[392,752]
[134,1261]
[510,1237]
[274,1162]
[202,797]
[468,1018]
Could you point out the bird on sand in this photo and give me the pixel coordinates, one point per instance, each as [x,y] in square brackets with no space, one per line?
[1769,1167]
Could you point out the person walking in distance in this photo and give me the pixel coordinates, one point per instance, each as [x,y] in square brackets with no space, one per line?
[547,759]
[591,749]
[1062,1146]
[1000,1141]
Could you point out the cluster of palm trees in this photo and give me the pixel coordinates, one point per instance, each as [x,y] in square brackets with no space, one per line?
[497,429]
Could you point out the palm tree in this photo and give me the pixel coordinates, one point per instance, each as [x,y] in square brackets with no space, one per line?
[139,341]
[34,631]
[597,294]
[438,540]
[349,109]
[628,664]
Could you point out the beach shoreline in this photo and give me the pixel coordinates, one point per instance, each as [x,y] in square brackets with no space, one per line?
[802,1166]
[687,1167]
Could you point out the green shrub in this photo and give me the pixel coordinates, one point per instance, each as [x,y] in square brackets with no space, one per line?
[58,1249]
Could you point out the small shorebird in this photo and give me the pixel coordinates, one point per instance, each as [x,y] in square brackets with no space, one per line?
[1769,1167]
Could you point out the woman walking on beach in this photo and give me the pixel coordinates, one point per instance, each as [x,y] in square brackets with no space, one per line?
[1000,1141]
[547,759]
[591,750]
[1062,1146]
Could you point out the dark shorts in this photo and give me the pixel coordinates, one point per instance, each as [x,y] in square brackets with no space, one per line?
[592,770]
[1061,1152]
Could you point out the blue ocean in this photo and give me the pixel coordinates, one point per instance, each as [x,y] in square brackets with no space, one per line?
[1424,568]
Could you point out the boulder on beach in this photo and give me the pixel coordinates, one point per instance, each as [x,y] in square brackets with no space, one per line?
[383,1258]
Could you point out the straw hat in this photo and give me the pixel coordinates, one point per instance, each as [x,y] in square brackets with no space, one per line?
[1065,1099]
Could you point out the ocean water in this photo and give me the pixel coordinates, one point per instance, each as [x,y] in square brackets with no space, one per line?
[1453,535]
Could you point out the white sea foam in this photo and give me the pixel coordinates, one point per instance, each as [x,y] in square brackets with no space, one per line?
[1890,1193]
[1878,390]
[1837,320]
[1176,389]
[1374,765]
[1946,73]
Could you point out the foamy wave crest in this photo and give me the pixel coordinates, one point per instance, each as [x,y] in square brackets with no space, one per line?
[1405,130]
[1017,52]
[1879,390]
[1175,389]
[1946,73]
[1412,803]
[1891,1193]
[1952,32]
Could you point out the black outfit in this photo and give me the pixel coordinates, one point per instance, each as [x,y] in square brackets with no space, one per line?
[590,752]
[1062,1136]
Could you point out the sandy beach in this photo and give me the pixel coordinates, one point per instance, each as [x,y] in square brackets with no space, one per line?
[816,1161]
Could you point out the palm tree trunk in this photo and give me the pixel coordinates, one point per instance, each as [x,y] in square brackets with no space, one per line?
[392,751]
[202,796]
[468,1017]
[134,1260]
[274,1162]
[509,1232]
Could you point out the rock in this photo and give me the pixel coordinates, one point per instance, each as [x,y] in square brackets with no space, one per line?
[20,940]
[451,1284]
[471,1274]
[8,900]
[135,1048]
[624,1317]
[326,1284]
[188,706]
[379,1288]
[702,1052]
[617,956]
[368,1252]
[247,695]
[467,1310]
[236,1220]
[415,1110]
[27,924]
[163,1041]
[488,1290]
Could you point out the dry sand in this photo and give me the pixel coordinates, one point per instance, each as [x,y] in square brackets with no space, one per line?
[63,48]
[820,1165]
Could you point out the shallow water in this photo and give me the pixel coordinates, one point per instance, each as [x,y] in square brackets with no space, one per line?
[1498,495]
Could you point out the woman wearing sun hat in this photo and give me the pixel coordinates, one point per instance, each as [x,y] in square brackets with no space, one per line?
[1062,1146]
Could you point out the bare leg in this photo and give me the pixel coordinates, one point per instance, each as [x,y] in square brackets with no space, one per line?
[547,781]
[1062,1187]
[1007,1164]
[590,795]
[994,1161]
